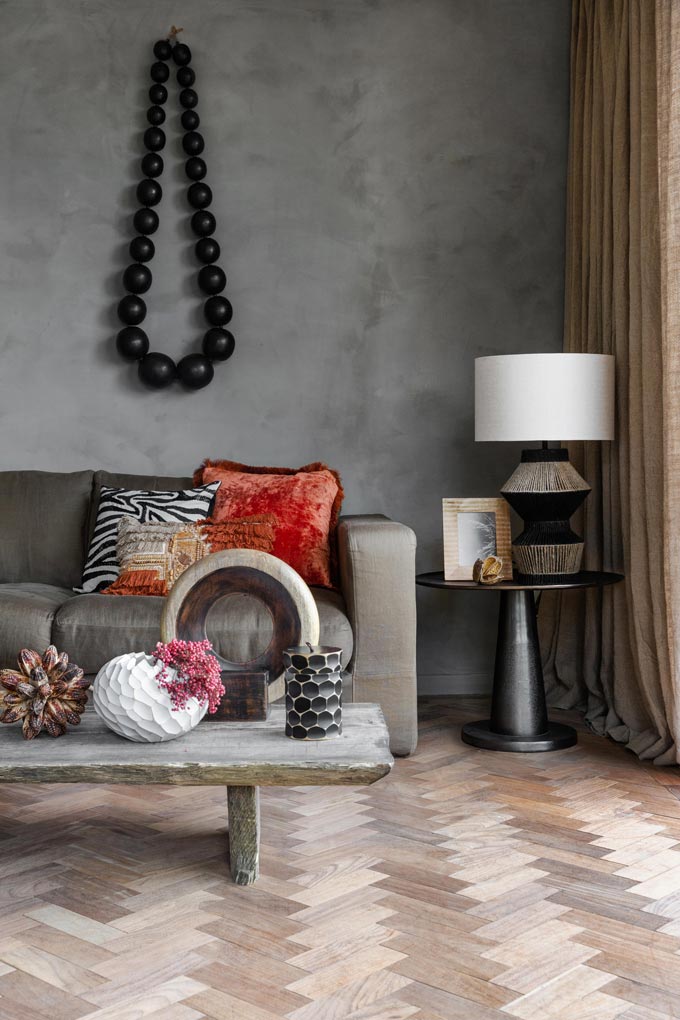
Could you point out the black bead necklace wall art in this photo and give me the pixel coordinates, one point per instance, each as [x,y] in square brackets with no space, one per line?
[158,370]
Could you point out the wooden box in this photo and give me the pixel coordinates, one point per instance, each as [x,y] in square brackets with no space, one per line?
[246,697]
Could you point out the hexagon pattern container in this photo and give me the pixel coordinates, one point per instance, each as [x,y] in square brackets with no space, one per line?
[128,699]
[312,659]
[313,692]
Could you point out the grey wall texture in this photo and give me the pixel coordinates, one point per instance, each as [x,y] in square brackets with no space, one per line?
[389,181]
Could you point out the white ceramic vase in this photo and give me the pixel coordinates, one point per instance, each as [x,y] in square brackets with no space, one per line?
[128,698]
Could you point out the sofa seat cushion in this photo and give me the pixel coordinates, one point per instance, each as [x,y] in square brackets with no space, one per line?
[95,628]
[27,611]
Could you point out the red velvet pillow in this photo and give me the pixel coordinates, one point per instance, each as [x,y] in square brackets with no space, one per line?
[305,501]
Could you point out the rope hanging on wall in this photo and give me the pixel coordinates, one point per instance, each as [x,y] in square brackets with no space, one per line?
[155,369]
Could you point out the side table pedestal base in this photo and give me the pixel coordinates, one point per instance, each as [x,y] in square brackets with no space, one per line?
[519,717]
[557,737]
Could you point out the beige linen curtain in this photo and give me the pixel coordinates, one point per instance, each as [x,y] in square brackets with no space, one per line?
[615,654]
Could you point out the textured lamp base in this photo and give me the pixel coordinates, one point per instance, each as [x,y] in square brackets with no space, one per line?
[547,552]
[545,490]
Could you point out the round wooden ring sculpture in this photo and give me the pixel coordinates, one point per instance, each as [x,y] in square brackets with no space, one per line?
[244,572]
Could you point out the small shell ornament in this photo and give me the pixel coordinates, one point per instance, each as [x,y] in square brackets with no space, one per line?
[487,571]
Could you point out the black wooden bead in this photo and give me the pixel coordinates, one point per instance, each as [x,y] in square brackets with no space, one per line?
[211,280]
[142,249]
[146,221]
[181,54]
[218,344]
[157,370]
[195,371]
[155,115]
[195,168]
[158,94]
[188,99]
[186,76]
[218,311]
[149,192]
[154,138]
[199,195]
[207,250]
[162,50]
[152,165]
[190,120]
[137,278]
[203,223]
[132,343]
[131,310]
[192,143]
[160,72]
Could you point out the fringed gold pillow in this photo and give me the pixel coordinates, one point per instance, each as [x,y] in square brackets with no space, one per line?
[152,555]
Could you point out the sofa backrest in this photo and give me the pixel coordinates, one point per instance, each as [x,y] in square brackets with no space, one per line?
[43,526]
[153,483]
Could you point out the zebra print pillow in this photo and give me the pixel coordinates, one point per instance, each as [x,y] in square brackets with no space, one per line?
[185,506]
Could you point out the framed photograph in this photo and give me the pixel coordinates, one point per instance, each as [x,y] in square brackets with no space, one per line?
[473,530]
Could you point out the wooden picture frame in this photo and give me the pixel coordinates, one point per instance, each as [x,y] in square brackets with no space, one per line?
[485,532]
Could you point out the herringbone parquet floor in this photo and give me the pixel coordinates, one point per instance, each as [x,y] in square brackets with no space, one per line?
[465,886]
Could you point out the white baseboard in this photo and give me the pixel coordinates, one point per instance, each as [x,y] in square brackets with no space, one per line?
[463,684]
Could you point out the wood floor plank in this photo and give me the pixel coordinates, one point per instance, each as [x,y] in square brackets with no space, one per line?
[73,923]
[68,976]
[221,1006]
[339,973]
[446,1006]
[372,990]
[389,1009]
[67,947]
[44,999]
[157,1002]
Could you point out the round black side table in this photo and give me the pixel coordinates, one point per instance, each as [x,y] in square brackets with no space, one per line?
[519,717]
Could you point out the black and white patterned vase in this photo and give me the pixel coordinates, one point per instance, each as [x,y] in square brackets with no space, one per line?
[313,692]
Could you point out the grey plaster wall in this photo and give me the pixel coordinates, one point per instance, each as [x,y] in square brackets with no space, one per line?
[389,184]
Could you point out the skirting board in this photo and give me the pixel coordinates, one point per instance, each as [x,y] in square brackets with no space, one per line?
[464,684]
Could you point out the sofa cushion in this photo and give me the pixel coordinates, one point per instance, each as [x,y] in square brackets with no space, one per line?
[43,515]
[115,480]
[153,554]
[94,628]
[305,501]
[185,505]
[27,611]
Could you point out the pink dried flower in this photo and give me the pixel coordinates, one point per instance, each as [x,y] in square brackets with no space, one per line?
[198,673]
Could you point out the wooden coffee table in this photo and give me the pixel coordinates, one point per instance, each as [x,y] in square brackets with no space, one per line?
[240,756]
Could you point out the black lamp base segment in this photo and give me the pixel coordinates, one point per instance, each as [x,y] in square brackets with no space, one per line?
[546,490]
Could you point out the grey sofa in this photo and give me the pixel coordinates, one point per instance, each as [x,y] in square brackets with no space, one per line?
[46,519]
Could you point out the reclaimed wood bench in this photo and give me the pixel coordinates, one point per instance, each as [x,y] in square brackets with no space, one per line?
[240,756]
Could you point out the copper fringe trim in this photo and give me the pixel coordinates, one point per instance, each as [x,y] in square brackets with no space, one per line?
[137,582]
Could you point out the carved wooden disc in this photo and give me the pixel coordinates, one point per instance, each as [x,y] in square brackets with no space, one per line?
[244,572]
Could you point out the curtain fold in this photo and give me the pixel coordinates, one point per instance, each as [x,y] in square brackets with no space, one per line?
[613,653]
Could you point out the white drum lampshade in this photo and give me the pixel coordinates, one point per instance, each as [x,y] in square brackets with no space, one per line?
[551,397]
[545,398]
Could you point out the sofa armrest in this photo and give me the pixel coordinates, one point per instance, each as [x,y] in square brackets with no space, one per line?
[377,571]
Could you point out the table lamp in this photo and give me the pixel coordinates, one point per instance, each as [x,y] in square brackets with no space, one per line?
[545,398]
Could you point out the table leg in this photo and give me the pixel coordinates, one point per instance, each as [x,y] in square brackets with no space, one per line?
[244,833]
[519,718]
